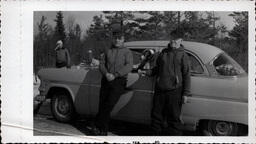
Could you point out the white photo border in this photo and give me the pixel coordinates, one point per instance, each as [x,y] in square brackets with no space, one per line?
[17,64]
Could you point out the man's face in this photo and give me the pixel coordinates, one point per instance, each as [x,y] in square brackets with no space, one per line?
[59,45]
[118,40]
[175,43]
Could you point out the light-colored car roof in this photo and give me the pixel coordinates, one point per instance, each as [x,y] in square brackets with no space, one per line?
[206,52]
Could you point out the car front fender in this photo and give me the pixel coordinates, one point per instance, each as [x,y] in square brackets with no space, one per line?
[55,86]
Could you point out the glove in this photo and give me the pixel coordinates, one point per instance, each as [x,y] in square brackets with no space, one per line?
[184,99]
[110,76]
[141,72]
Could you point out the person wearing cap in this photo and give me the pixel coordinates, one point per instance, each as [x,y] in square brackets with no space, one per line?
[172,73]
[115,64]
[62,55]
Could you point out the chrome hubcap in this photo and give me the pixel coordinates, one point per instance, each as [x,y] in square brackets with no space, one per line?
[62,106]
[223,128]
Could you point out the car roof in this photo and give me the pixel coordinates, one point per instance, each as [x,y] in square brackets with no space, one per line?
[206,52]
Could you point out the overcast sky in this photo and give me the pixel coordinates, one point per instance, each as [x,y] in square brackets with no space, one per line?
[84,18]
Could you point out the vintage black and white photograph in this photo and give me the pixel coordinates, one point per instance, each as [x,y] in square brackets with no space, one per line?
[140,73]
[128,71]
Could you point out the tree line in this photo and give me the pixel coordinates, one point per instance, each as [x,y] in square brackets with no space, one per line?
[140,25]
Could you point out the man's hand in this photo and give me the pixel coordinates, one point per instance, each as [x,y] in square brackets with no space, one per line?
[141,72]
[95,62]
[184,99]
[110,76]
[57,47]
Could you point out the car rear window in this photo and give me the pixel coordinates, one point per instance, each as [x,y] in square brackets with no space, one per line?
[226,66]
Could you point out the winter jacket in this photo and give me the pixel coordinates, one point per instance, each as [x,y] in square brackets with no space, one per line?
[116,60]
[172,70]
[62,56]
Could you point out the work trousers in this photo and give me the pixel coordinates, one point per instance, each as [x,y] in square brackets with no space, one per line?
[61,64]
[110,93]
[167,105]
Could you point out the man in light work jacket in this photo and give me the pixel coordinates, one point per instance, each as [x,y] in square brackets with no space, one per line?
[172,73]
[62,55]
[115,64]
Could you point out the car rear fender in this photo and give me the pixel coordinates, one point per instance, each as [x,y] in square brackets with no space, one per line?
[59,87]
[202,109]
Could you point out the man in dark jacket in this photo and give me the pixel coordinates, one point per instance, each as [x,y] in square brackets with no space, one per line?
[172,73]
[62,55]
[115,64]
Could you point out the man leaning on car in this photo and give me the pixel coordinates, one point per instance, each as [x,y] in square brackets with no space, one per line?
[115,64]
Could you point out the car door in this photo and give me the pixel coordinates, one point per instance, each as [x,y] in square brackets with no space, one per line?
[94,90]
[199,74]
[83,100]
[214,96]
[135,105]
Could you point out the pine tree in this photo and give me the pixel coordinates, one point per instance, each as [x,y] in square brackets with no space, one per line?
[154,24]
[239,34]
[43,28]
[172,21]
[150,25]
[124,18]
[41,39]
[77,31]
[240,30]
[59,32]
[197,28]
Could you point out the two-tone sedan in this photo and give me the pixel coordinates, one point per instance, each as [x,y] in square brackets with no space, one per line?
[219,88]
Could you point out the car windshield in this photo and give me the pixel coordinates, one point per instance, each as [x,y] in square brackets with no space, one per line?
[226,66]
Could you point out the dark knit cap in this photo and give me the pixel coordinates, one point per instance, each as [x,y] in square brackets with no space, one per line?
[116,28]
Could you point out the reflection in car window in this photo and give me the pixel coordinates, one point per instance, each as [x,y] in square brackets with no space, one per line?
[195,65]
[226,66]
[147,63]
[136,55]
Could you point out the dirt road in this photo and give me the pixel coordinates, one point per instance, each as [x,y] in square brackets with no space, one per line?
[45,124]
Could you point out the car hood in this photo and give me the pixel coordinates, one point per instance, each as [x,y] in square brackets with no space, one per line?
[63,74]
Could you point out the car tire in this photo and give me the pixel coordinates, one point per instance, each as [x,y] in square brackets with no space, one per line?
[62,107]
[220,128]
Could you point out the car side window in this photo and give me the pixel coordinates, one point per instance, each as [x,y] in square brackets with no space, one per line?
[136,56]
[195,66]
[136,53]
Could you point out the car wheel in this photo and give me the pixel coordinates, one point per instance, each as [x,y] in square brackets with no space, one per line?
[220,128]
[62,107]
